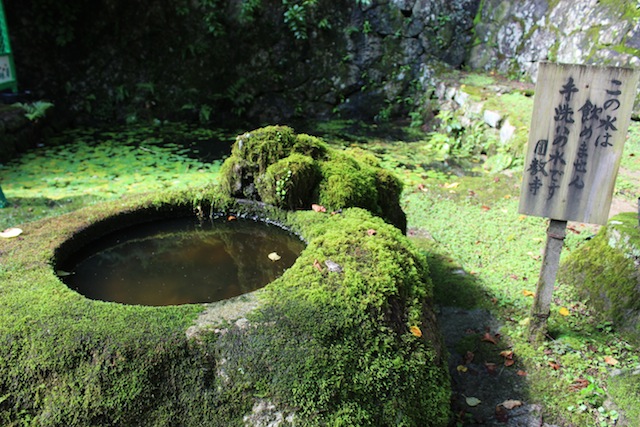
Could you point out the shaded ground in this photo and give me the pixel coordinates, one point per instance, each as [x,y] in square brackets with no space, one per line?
[478,371]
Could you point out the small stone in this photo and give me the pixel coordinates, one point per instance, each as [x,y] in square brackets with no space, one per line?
[492,118]
[333,266]
[506,132]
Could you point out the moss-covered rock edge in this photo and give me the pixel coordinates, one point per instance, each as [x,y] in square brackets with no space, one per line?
[345,352]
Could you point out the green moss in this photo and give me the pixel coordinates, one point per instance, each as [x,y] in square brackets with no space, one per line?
[625,389]
[476,84]
[334,327]
[276,166]
[290,182]
[347,182]
[332,348]
[264,146]
[605,271]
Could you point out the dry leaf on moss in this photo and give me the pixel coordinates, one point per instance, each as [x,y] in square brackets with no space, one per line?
[11,232]
[416,331]
[472,401]
[510,404]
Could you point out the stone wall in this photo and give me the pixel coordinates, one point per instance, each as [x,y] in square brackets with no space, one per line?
[513,36]
[128,61]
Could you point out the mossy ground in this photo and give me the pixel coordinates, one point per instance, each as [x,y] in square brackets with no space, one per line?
[464,222]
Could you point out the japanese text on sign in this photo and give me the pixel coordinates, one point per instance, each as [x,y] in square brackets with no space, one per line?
[578,128]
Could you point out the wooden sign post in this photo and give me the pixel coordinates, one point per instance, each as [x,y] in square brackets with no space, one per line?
[579,125]
[7,67]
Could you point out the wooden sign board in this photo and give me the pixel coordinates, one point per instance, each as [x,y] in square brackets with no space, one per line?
[6,70]
[580,119]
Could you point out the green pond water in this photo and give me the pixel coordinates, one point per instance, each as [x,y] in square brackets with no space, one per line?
[182,261]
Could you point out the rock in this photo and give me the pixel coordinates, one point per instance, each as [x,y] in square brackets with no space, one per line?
[507,131]
[333,266]
[492,118]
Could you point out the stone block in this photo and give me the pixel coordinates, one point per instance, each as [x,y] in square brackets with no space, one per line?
[492,118]
[507,131]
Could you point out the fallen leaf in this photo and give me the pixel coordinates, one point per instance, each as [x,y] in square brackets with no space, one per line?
[371,232]
[318,208]
[488,338]
[510,404]
[462,368]
[231,218]
[507,354]
[485,208]
[509,362]
[579,384]
[528,293]
[451,185]
[564,311]
[555,366]
[317,264]
[535,257]
[62,273]
[573,229]
[472,401]
[415,331]
[421,187]
[273,256]
[11,232]
[491,367]
[521,373]
[610,361]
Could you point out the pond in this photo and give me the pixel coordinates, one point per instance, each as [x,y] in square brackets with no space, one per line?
[181,261]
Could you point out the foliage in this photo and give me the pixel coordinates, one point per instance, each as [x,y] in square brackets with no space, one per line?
[35,110]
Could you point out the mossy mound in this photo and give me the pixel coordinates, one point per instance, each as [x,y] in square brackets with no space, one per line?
[293,171]
[606,270]
[355,345]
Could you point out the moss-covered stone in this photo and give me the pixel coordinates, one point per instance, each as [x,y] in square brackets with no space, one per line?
[290,182]
[290,171]
[320,347]
[607,271]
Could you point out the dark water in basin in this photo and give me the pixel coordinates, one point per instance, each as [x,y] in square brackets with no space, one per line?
[182,261]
